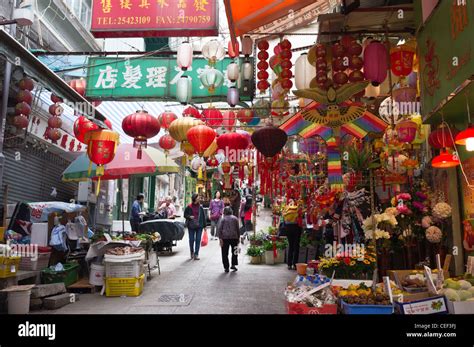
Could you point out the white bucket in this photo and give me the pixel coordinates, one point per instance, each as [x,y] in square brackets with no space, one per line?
[19,302]
[96,276]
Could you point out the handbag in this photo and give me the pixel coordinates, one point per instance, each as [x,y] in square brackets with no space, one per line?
[205,239]
[192,223]
[282,229]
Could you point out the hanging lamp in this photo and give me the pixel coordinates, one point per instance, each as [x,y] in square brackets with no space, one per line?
[466,137]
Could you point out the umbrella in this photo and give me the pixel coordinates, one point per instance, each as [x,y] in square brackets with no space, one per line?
[125,164]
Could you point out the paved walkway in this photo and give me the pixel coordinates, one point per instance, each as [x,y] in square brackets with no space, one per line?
[254,289]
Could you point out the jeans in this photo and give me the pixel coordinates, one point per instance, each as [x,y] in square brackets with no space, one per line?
[232,244]
[214,227]
[195,240]
[293,233]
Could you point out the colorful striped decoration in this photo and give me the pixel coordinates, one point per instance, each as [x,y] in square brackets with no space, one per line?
[334,165]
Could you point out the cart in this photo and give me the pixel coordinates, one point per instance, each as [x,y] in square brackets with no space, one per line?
[170,230]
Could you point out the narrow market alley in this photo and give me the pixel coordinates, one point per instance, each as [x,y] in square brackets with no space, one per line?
[253,289]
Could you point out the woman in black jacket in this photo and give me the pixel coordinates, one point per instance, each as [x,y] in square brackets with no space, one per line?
[196,222]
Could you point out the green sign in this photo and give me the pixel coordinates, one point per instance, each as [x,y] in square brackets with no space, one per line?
[445,46]
[155,78]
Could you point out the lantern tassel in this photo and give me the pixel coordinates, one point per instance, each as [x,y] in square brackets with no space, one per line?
[98,187]
[139,152]
[89,169]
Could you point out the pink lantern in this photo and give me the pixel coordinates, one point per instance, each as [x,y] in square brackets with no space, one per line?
[406,131]
[229,120]
[375,62]
[212,117]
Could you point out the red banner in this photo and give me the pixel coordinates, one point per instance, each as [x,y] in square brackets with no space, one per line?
[154,18]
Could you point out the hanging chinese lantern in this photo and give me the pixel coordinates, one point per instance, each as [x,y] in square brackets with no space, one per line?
[141,126]
[445,160]
[246,135]
[20,121]
[254,121]
[233,72]
[184,89]
[180,127]
[232,142]
[441,137]
[375,62]
[304,72]
[247,71]
[26,84]
[192,112]
[56,99]
[401,60]
[22,108]
[55,122]
[211,150]
[228,120]
[338,50]
[269,140]
[82,125]
[233,50]
[201,137]
[262,66]
[53,134]
[213,51]
[212,79]
[247,46]
[166,118]
[233,96]
[24,95]
[212,116]
[286,64]
[187,149]
[184,55]
[56,110]
[101,148]
[244,115]
[79,85]
[167,143]
[406,130]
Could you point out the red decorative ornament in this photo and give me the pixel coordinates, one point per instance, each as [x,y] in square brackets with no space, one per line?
[245,115]
[356,62]
[401,60]
[375,62]
[321,77]
[229,120]
[166,118]
[285,45]
[26,84]
[56,110]
[346,41]
[263,45]
[269,140]
[286,55]
[286,74]
[287,84]
[53,134]
[263,55]
[262,65]
[321,51]
[192,112]
[356,76]
[232,141]
[24,95]
[55,122]
[354,49]
[441,137]
[141,126]
[263,85]
[338,50]
[338,64]
[82,125]
[201,137]
[167,143]
[286,64]
[277,49]
[262,75]
[212,162]
[340,78]
[22,108]
[233,49]
[212,117]
[406,131]
[321,64]
[79,85]
[56,99]
[21,121]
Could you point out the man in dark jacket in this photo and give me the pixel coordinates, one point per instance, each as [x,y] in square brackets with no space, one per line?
[196,222]
[137,212]
[228,234]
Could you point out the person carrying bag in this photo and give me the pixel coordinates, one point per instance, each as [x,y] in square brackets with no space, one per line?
[195,222]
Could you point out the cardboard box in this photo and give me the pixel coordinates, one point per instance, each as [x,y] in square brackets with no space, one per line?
[294,308]
[461,307]
[404,273]
[430,305]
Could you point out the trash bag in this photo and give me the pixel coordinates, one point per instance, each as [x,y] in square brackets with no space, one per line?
[205,239]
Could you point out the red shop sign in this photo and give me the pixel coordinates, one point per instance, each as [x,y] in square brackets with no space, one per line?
[154,18]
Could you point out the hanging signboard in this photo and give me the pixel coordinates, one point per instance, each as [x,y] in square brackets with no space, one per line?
[445,47]
[154,78]
[154,18]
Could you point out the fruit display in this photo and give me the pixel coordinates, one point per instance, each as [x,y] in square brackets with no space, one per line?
[458,290]
[361,294]
[417,281]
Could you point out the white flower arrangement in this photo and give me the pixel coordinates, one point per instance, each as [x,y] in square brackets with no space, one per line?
[379,234]
[442,210]
[433,234]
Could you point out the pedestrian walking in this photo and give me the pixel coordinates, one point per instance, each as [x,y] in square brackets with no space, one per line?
[293,233]
[195,222]
[216,209]
[228,234]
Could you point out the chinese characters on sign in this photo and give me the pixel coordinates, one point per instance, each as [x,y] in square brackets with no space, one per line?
[113,78]
[149,18]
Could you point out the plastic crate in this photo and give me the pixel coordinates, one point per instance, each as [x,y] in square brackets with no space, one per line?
[295,308]
[68,276]
[42,262]
[366,309]
[131,269]
[124,286]
[9,266]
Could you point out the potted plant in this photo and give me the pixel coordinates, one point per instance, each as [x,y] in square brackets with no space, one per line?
[256,239]
[255,254]
[268,247]
[281,246]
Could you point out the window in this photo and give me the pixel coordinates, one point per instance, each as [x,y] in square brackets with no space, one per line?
[82,10]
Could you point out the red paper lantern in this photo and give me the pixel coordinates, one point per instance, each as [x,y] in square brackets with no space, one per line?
[26,84]
[55,122]
[56,99]
[347,40]
[354,48]
[262,75]
[201,137]
[406,131]
[56,110]
[340,78]
[22,108]
[141,126]
[441,137]
[212,162]
[401,60]
[20,121]
[269,140]
[321,64]
[338,50]
[356,62]
[338,64]
[287,84]
[24,95]
[375,62]
[82,125]
[262,65]
[356,76]
[245,115]
[285,45]
[286,55]
[212,117]
[263,55]
[263,85]
[232,141]
[79,85]
[101,147]
[263,45]
[286,64]
[286,74]
[192,112]
[53,134]
[229,120]
[166,118]
[167,143]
